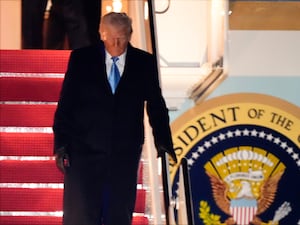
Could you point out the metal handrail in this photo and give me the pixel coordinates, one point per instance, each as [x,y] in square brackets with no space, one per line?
[187,192]
[167,192]
[169,204]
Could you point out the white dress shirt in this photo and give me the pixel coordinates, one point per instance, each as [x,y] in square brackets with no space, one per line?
[120,63]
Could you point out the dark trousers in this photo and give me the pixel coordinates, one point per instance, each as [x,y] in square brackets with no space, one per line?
[32,23]
[78,20]
[100,190]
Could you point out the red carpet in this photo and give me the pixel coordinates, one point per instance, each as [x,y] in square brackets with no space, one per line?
[26,115]
[26,144]
[34,61]
[31,185]
[33,88]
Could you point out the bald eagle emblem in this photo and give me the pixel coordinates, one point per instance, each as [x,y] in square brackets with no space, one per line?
[244,185]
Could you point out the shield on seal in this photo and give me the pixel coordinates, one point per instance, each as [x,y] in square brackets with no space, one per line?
[243,210]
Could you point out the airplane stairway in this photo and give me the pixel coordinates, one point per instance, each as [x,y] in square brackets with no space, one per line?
[31,186]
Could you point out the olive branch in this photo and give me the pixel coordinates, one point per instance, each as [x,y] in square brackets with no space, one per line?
[207,217]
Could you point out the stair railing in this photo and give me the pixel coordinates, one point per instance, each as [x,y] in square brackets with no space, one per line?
[184,202]
[185,211]
[169,202]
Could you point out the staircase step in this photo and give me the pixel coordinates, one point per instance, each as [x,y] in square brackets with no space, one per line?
[17,171]
[34,61]
[27,115]
[45,200]
[31,199]
[53,220]
[26,144]
[140,220]
[30,220]
[45,171]
[40,89]
[140,204]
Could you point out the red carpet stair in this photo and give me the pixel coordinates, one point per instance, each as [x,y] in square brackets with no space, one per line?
[30,185]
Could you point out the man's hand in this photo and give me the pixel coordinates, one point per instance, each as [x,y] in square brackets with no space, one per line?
[161,150]
[62,160]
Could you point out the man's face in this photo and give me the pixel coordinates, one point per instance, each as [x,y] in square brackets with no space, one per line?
[115,39]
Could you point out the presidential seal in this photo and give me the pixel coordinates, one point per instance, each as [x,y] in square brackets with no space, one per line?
[243,154]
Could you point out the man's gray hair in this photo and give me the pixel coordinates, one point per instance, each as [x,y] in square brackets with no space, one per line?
[117,19]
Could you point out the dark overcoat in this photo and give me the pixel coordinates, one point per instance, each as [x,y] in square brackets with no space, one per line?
[89,117]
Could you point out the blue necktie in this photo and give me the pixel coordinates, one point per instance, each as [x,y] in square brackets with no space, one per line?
[114,75]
